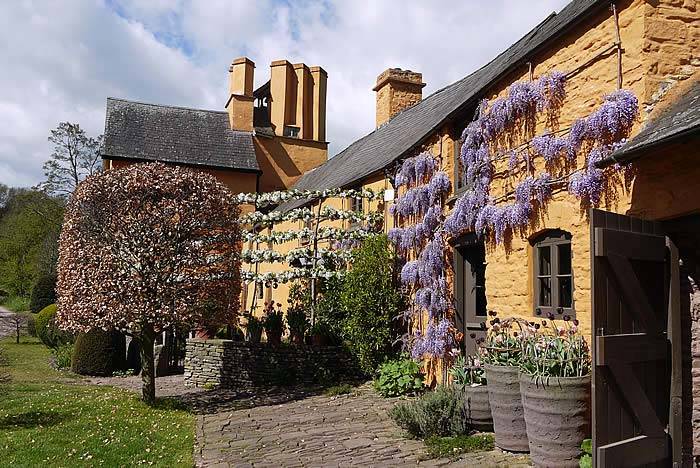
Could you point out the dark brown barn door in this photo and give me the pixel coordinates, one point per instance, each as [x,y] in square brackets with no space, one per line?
[470,290]
[634,295]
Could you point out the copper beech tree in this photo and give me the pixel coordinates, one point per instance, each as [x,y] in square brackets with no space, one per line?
[146,248]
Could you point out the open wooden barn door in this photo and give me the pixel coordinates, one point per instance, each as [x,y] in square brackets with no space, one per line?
[636,318]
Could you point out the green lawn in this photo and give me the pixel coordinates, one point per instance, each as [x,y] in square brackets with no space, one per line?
[48,418]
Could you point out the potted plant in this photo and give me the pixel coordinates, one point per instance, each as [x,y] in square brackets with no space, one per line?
[555,384]
[502,352]
[253,328]
[321,333]
[468,375]
[273,323]
[298,324]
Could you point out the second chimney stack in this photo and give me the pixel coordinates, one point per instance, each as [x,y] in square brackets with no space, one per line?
[397,90]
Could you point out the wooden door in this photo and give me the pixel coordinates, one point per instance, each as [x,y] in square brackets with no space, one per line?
[635,293]
[470,290]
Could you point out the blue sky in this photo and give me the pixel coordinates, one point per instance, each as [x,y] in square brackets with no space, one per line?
[61,60]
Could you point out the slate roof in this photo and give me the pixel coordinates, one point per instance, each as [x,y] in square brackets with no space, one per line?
[681,119]
[135,130]
[405,131]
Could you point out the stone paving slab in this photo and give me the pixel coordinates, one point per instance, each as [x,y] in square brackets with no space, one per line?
[320,431]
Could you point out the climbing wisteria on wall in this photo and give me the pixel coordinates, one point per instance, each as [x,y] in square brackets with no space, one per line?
[421,241]
[511,119]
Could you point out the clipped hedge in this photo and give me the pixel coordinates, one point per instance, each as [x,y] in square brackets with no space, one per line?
[47,330]
[99,353]
[43,293]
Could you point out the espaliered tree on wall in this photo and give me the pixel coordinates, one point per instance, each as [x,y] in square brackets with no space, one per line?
[147,248]
[328,248]
[421,242]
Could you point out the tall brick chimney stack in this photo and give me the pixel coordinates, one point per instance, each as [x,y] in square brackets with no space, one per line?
[240,101]
[397,90]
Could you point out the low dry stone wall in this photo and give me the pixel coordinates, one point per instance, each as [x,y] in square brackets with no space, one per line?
[242,366]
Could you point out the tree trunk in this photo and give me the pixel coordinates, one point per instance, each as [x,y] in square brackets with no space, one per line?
[148,375]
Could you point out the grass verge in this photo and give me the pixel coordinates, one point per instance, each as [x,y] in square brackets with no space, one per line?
[15,304]
[453,447]
[47,420]
[336,390]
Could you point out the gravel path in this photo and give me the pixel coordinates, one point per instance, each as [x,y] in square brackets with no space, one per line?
[7,325]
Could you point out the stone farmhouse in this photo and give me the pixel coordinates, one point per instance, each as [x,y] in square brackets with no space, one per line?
[641,313]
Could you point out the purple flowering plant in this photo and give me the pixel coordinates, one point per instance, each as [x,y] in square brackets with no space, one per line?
[420,241]
[556,350]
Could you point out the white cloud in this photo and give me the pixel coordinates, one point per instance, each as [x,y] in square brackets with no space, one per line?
[62,59]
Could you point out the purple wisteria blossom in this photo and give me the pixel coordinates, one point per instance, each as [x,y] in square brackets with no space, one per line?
[588,185]
[436,341]
[409,273]
[551,147]
[415,170]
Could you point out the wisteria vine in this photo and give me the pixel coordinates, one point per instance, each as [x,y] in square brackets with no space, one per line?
[500,122]
[420,241]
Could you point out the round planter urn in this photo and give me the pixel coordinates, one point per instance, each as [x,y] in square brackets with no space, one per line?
[477,407]
[506,408]
[558,417]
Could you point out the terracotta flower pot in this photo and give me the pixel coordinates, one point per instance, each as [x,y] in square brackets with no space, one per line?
[477,407]
[506,408]
[558,418]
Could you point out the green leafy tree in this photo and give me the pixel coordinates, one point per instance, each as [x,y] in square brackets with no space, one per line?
[28,236]
[371,301]
[75,156]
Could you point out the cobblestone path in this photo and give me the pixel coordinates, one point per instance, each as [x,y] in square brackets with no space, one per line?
[317,430]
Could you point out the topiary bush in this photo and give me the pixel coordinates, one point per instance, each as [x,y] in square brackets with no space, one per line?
[371,300]
[436,413]
[43,292]
[399,377]
[47,330]
[99,353]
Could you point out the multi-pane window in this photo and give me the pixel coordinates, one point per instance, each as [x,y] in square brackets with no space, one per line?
[356,205]
[554,285]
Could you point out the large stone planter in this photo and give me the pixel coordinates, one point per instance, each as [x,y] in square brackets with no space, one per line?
[477,408]
[558,418]
[506,408]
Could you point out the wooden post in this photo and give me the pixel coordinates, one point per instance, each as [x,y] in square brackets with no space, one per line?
[314,261]
[675,417]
